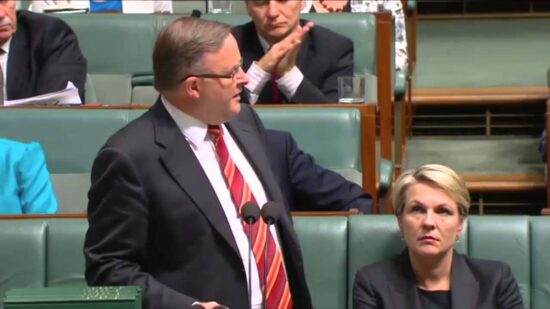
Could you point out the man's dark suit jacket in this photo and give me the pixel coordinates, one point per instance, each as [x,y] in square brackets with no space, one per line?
[324,55]
[155,220]
[308,186]
[475,284]
[44,55]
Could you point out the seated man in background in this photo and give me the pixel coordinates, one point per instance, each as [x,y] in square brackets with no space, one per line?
[39,54]
[307,186]
[25,186]
[369,6]
[96,6]
[288,60]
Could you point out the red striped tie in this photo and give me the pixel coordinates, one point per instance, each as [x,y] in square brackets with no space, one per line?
[275,88]
[277,291]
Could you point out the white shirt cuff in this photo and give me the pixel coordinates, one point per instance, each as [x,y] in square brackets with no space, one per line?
[290,82]
[257,78]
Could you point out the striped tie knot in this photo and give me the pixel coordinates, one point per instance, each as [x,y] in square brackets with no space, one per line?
[215,131]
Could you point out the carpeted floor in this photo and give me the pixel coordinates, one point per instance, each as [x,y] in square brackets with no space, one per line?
[482,53]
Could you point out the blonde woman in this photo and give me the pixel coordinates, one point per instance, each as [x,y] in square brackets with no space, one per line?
[432,205]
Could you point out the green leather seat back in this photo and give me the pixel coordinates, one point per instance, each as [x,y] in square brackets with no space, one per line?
[65,260]
[324,247]
[22,257]
[115,43]
[371,239]
[70,138]
[505,239]
[540,262]
[331,135]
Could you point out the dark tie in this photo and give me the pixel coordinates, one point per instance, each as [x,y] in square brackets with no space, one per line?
[277,291]
[275,88]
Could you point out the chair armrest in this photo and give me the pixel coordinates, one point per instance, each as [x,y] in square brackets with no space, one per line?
[411,6]
[386,176]
[400,86]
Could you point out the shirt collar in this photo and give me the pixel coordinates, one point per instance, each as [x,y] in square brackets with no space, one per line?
[263,42]
[6,46]
[193,129]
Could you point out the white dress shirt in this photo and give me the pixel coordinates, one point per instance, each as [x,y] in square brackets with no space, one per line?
[195,132]
[258,78]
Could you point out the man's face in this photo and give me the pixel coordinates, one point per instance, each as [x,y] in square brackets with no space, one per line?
[8,20]
[274,19]
[220,97]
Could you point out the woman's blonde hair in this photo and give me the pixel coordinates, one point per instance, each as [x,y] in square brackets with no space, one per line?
[435,175]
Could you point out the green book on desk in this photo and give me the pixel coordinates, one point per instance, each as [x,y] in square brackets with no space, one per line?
[104,297]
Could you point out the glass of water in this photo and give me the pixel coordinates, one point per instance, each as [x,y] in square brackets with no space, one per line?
[219,6]
[351,89]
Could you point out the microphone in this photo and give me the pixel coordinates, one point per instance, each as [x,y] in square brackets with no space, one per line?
[250,212]
[271,212]
[196,13]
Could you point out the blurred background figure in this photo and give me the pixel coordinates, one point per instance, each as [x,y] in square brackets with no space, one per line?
[25,186]
[370,6]
[98,6]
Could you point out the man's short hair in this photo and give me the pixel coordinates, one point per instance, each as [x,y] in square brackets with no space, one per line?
[180,46]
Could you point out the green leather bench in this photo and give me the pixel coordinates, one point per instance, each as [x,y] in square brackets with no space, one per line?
[48,252]
[71,138]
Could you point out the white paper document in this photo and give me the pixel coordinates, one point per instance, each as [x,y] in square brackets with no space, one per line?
[67,96]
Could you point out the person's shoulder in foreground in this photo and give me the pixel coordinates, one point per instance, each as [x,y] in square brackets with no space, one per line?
[308,186]
[25,180]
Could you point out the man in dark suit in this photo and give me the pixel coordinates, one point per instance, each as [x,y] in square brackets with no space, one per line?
[163,213]
[288,59]
[307,186]
[42,54]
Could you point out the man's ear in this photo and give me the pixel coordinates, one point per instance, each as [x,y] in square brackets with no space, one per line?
[191,87]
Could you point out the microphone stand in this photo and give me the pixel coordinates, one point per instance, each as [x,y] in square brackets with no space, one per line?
[250,242]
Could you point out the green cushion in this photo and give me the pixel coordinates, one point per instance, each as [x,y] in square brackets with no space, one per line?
[324,246]
[331,135]
[540,261]
[505,239]
[70,138]
[115,43]
[65,259]
[71,190]
[22,254]
[112,88]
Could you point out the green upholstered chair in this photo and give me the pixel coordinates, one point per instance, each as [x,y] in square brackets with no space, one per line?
[324,247]
[539,237]
[118,48]
[331,135]
[48,252]
[71,139]
[23,254]
[64,257]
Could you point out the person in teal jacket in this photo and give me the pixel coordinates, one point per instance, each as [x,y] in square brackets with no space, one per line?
[25,186]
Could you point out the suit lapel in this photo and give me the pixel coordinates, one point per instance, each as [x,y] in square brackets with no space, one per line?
[464,286]
[18,69]
[180,162]
[305,52]
[402,286]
